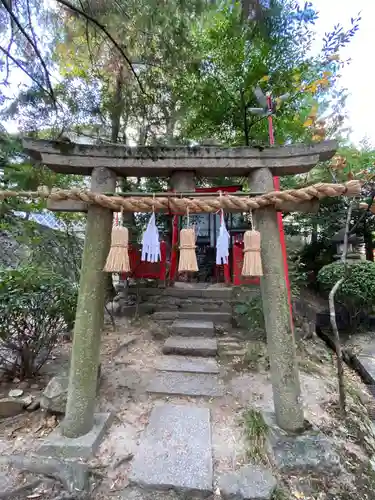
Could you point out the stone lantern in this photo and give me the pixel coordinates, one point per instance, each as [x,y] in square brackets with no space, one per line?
[355,246]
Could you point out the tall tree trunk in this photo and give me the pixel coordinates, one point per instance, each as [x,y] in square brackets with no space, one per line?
[116,113]
[314,233]
[117,107]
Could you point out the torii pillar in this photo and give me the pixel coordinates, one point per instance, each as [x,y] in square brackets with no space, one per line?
[276,310]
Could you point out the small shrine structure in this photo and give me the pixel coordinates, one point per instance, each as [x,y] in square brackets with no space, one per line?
[104,163]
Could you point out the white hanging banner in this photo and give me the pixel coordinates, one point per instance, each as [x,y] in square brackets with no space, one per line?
[150,242]
[222,244]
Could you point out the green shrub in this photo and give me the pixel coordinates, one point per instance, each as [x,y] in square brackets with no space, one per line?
[308,261]
[249,312]
[298,277]
[357,292]
[36,305]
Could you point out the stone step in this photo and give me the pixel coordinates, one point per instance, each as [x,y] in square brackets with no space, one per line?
[190,346]
[365,366]
[188,307]
[231,347]
[183,302]
[186,364]
[229,341]
[187,291]
[208,307]
[180,301]
[193,328]
[216,317]
[234,353]
[175,451]
[186,384]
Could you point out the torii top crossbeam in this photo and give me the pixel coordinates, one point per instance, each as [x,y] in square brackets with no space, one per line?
[161,161]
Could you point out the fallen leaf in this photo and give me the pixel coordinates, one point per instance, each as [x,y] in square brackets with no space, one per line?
[298,494]
[51,421]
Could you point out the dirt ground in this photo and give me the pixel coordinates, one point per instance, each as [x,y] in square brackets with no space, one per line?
[128,359]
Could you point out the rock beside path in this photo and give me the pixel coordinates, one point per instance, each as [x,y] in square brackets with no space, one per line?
[309,452]
[10,407]
[55,395]
[251,482]
[74,476]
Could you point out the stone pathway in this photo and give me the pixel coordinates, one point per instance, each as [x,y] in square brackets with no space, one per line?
[175,451]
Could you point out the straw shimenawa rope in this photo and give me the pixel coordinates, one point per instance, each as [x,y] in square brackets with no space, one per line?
[195,205]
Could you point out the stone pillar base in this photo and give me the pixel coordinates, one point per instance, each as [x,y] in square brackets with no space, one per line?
[57,445]
[308,451]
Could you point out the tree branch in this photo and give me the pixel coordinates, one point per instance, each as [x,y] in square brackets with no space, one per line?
[332,312]
[14,18]
[19,65]
[30,21]
[244,117]
[107,33]
[363,215]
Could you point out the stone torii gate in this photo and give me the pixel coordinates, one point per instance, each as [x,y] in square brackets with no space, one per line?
[104,163]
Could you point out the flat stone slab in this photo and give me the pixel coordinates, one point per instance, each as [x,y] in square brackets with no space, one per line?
[190,328]
[175,451]
[251,482]
[57,445]
[186,384]
[366,367]
[190,346]
[139,493]
[186,364]
[309,452]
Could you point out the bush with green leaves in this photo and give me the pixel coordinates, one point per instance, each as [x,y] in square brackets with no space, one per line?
[36,305]
[357,292]
[309,260]
[249,312]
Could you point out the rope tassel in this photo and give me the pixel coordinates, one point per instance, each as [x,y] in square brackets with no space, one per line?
[150,242]
[188,258]
[252,263]
[118,257]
